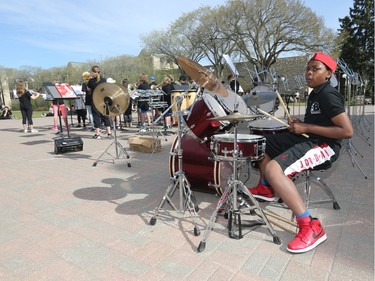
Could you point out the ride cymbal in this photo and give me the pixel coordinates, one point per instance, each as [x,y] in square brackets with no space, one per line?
[235,116]
[202,76]
[259,95]
[111,99]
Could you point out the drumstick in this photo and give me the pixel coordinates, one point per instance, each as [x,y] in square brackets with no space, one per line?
[281,226]
[283,104]
[278,120]
[273,117]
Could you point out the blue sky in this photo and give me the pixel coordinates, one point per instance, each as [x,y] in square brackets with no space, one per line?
[52,33]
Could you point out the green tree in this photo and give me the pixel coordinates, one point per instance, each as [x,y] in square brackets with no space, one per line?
[356,34]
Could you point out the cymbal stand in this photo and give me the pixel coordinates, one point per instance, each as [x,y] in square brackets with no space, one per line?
[229,199]
[120,150]
[352,151]
[179,181]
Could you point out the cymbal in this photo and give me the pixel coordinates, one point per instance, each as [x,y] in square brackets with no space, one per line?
[202,76]
[111,99]
[259,95]
[235,116]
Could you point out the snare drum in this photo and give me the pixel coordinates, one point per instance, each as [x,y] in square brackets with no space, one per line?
[197,121]
[266,127]
[250,147]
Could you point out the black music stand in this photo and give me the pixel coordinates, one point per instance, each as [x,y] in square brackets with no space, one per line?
[63,91]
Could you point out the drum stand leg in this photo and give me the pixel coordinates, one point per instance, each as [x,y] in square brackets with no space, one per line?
[234,214]
[119,150]
[188,200]
[179,181]
[230,197]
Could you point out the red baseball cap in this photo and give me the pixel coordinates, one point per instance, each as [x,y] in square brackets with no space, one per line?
[326,59]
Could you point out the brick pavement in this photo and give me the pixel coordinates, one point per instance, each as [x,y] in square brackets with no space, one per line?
[63,219]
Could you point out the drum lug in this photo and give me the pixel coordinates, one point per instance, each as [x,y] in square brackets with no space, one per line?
[263,148]
[259,149]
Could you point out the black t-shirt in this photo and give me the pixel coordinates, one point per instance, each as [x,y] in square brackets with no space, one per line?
[25,100]
[167,89]
[88,97]
[92,84]
[324,103]
[143,104]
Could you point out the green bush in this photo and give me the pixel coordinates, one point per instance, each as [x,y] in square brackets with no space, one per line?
[38,104]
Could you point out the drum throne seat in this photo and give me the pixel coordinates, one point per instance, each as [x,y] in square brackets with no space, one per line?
[309,177]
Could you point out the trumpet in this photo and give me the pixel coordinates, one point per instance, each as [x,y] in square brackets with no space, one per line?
[133,86]
[166,80]
[155,87]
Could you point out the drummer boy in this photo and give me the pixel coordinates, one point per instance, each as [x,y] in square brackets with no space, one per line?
[326,123]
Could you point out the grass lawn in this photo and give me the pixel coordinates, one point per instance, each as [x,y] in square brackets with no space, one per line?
[36,114]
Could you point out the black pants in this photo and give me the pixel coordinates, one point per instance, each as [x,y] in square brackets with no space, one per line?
[81,116]
[99,118]
[27,115]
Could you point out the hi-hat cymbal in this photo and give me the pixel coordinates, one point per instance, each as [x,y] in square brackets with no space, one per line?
[235,116]
[202,76]
[259,95]
[111,99]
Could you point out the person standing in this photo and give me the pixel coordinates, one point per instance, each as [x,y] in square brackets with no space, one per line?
[182,85]
[95,80]
[79,107]
[128,112]
[168,86]
[234,84]
[24,97]
[143,105]
[59,108]
[326,123]
[88,97]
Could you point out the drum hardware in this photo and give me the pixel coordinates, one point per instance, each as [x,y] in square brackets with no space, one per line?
[111,100]
[179,181]
[272,217]
[278,120]
[229,198]
[235,117]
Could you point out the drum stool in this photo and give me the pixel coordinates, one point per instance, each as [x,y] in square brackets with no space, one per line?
[308,177]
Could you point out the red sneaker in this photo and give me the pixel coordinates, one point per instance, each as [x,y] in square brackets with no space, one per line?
[263,192]
[311,234]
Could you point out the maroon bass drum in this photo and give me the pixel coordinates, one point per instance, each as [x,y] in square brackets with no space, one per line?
[203,173]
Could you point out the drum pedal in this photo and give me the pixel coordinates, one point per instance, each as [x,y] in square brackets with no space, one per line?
[234,220]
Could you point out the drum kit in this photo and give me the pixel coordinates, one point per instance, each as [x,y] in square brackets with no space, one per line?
[203,149]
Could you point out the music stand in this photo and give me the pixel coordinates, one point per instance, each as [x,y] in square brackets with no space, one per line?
[60,92]
[63,91]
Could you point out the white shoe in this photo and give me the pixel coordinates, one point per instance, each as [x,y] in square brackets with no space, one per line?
[25,131]
[34,131]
